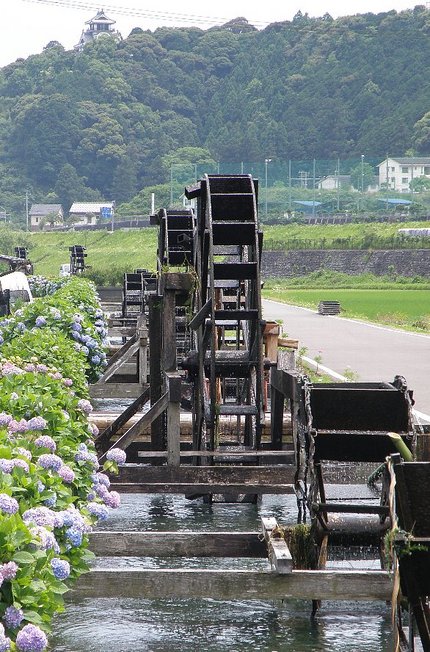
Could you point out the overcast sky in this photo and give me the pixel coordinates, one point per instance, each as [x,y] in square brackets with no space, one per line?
[28,25]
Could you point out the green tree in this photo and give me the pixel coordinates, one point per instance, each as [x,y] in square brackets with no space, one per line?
[362,176]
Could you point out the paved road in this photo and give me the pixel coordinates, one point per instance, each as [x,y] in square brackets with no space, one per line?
[374,353]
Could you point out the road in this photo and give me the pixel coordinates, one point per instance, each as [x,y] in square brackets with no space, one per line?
[369,351]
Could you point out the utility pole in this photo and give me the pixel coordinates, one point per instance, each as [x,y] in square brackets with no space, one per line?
[26,209]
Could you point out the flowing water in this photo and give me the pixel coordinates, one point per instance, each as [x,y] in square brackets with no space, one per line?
[139,625]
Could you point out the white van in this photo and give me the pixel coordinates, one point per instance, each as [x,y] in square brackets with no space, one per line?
[65,269]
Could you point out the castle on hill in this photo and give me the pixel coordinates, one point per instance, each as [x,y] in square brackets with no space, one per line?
[98,26]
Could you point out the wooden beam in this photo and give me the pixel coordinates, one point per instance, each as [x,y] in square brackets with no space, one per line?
[201,489]
[233,584]
[177,544]
[137,429]
[102,440]
[116,390]
[241,475]
[117,360]
[278,551]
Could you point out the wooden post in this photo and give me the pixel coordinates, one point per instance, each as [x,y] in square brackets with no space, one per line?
[278,551]
[142,356]
[277,415]
[155,373]
[173,381]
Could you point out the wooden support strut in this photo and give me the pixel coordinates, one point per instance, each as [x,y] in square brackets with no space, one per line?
[278,551]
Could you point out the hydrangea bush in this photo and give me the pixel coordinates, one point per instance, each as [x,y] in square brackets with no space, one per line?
[52,491]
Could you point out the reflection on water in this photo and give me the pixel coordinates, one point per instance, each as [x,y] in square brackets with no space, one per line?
[131,625]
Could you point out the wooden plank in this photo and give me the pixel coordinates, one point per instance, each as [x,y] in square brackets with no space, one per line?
[143,423]
[233,584]
[177,544]
[197,488]
[116,390]
[208,475]
[287,457]
[278,551]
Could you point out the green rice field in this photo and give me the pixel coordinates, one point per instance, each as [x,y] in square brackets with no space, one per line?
[403,308]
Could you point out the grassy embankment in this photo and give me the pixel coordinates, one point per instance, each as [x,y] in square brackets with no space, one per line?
[398,302]
[109,255]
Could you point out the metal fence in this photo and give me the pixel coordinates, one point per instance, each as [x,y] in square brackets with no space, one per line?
[313,188]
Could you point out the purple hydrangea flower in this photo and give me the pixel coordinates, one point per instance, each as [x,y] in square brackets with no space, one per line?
[98,510]
[24,452]
[94,429]
[20,464]
[4,641]
[74,536]
[40,321]
[40,486]
[17,426]
[6,466]
[51,501]
[30,367]
[113,499]
[50,461]
[45,441]
[95,359]
[66,473]
[8,505]
[116,455]
[61,568]
[103,479]
[68,382]
[5,419]
[85,405]
[31,639]
[13,617]
[37,423]
[46,538]
[101,490]
[40,516]
[9,570]
[76,326]
[42,368]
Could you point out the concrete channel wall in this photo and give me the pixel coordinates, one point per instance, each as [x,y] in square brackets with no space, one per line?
[402,262]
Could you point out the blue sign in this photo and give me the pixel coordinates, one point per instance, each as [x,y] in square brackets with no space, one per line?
[106,212]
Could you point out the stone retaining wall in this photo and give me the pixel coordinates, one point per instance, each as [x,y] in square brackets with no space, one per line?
[403,262]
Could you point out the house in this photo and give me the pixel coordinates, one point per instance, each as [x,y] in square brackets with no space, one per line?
[45,216]
[397,173]
[90,213]
[335,181]
[98,26]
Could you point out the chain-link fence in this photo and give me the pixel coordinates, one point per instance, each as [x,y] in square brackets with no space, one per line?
[322,189]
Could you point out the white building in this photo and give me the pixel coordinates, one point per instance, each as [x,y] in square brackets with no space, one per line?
[45,216]
[91,212]
[98,26]
[397,173]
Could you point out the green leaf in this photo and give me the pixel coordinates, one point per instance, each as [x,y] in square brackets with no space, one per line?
[23,557]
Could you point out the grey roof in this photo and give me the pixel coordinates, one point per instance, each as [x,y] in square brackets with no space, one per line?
[100,17]
[410,160]
[45,209]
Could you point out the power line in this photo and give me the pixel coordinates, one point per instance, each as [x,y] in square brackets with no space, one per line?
[144,13]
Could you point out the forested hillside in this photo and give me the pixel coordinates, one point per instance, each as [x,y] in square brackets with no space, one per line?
[110,121]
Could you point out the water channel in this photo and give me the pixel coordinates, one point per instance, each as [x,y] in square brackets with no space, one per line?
[129,625]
